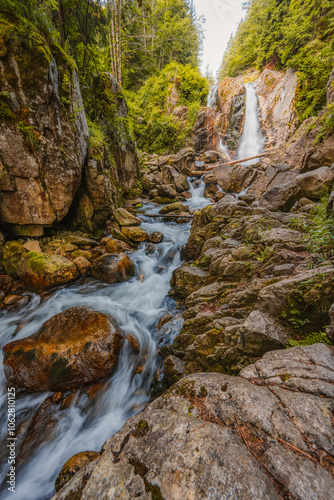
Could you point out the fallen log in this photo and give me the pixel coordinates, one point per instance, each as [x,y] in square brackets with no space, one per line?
[234,162]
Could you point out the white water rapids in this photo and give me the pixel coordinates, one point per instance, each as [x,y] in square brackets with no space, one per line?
[137,306]
[252,139]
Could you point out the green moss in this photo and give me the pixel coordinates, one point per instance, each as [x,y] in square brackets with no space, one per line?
[141,429]
[59,370]
[30,355]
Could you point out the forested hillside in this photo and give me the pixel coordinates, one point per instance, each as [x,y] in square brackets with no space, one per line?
[280,34]
[130,39]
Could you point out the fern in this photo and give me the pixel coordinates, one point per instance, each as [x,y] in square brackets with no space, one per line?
[312,338]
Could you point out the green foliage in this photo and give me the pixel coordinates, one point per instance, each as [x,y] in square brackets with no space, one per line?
[319,229]
[30,136]
[295,34]
[312,338]
[155,127]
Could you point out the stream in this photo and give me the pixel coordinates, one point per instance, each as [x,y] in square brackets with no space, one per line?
[137,306]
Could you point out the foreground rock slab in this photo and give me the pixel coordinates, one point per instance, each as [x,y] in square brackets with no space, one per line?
[216,436]
[73,348]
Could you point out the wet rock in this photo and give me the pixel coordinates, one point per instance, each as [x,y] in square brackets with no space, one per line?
[173,207]
[156,237]
[268,441]
[135,233]
[83,265]
[261,333]
[315,183]
[114,268]
[9,300]
[73,465]
[205,133]
[162,200]
[117,246]
[73,348]
[124,218]
[167,191]
[40,272]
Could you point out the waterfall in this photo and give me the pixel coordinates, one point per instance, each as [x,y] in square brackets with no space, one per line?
[212,96]
[224,148]
[252,138]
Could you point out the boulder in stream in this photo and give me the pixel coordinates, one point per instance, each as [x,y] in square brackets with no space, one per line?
[114,268]
[73,348]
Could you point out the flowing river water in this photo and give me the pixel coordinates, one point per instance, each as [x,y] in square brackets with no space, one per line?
[137,306]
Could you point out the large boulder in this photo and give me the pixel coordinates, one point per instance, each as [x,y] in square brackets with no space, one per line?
[281,197]
[73,348]
[264,435]
[315,183]
[261,333]
[43,133]
[40,271]
[12,253]
[114,268]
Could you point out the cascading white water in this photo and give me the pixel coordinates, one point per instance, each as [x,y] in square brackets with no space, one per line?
[224,149]
[252,138]
[212,96]
[137,306]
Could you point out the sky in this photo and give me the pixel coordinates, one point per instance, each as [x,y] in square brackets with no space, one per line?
[222,19]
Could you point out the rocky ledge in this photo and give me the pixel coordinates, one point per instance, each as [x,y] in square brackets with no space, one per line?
[267,434]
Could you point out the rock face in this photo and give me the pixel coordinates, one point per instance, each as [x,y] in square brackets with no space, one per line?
[42,148]
[74,348]
[205,133]
[230,120]
[108,104]
[276,93]
[260,435]
[40,272]
[113,268]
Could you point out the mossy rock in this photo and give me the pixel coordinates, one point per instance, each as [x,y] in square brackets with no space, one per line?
[41,272]
[73,465]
